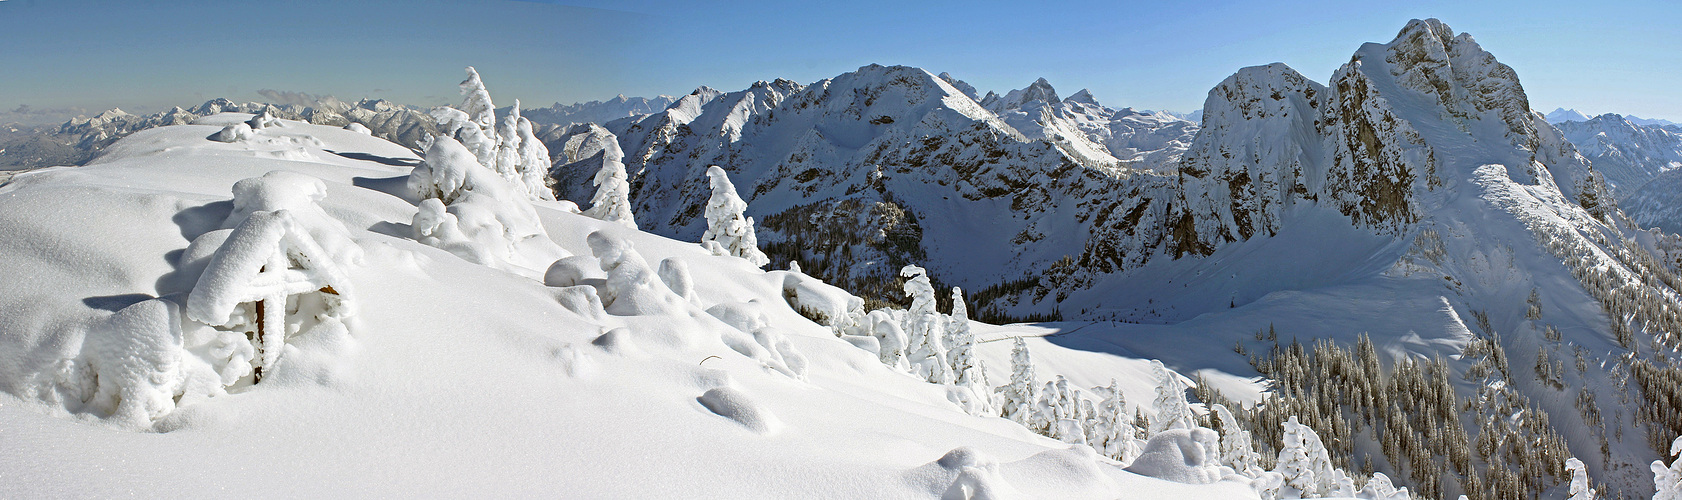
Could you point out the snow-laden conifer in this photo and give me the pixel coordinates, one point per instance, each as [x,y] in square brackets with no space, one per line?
[961,356]
[923,326]
[726,223]
[1172,410]
[612,201]
[1668,480]
[1022,392]
[1579,480]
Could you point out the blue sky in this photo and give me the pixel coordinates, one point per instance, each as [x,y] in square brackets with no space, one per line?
[61,55]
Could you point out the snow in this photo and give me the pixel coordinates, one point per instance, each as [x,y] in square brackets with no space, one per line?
[1182,456]
[458,378]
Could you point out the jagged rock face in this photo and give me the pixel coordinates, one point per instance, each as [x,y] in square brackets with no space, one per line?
[1629,155]
[1271,139]
[1249,164]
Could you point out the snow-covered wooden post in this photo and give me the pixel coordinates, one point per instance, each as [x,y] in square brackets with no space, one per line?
[250,282]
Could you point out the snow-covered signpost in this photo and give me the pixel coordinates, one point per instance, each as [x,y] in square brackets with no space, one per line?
[268,268]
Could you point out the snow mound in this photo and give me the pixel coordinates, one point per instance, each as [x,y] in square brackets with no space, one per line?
[299,195]
[979,477]
[359,128]
[1189,456]
[233,133]
[137,364]
[735,405]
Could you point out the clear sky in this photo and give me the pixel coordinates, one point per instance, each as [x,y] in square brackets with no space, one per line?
[61,56]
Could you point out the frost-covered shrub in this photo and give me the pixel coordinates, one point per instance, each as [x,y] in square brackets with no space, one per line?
[841,311]
[726,223]
[763,342]
[434,226]
[487,222]
[263,119]
[1380,488]
[580,299]
[1181,455]
[979,477]
[299,195]
[270,280]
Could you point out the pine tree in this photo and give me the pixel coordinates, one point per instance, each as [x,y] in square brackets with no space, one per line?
[726,224]
[1579,480]
[612,201]
[924,326]
[1022,391]
[961,357]
[506,162]
[1111,431]
[1237,451]
[1172,410]
[534,162]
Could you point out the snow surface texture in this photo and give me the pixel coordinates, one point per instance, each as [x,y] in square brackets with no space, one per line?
[454,378]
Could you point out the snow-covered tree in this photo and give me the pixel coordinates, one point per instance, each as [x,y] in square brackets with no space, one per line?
[477,104]
[1304,462]
[1059,414]
[726,223]
[1579,480]
[1022,392]
[1112,432]
[534,162]
[1172,410]
[612,201]
[506,162]
[1668,480]
[961,357]
[1237,450]
[1380,488]
[923,326]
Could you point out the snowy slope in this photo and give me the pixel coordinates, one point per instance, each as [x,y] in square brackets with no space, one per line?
[451,378]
